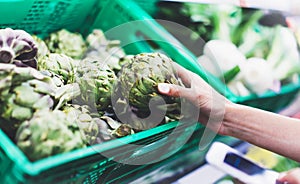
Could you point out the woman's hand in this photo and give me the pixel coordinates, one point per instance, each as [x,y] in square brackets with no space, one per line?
[210,103]
[290,177]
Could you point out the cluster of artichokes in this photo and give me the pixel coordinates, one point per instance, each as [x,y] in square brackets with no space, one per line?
[65,92]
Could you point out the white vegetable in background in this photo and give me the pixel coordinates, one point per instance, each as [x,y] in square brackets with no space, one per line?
[257,75]
[237,87]
[284,55]
[223,55]
[208,65]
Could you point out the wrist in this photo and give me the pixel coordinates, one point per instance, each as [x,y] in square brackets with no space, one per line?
[228,125]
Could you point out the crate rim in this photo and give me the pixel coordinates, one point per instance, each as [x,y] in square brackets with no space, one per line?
[36,167]
[285,89]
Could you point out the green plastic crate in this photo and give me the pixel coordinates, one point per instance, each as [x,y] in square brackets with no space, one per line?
[88,165]
[44,16]
[270,101]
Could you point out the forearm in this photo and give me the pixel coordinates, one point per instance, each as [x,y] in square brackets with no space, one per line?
[268,130]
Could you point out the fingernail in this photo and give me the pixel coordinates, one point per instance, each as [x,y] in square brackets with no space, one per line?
[164,88]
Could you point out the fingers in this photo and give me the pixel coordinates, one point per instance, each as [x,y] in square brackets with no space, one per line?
[176,91]
[188,77]
[183,74]
[291,177]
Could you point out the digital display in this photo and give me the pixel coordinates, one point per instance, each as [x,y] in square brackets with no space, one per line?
[242,164]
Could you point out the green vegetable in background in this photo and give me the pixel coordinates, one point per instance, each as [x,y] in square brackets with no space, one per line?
[215,29]
[231,74]
[209,21]
[252,38]
[284,54]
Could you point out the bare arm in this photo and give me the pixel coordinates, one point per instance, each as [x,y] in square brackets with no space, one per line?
[268,130]
[274,132]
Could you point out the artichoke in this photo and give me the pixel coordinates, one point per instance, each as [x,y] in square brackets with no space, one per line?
[11,75]
[48,133]
[18,47]
[117,129]
[42,47]
[96,81]
[24,90]
[96,129]
[61,65]
[57,79]
[26,98]
[88,124]
[66,42]
[106,50]
[125,60]
[136,91]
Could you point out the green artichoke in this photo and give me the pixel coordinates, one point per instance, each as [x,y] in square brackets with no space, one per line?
[96,81]
[57,79]
[106,50]
[125,60]
[96,129]
[18,47]
[11,75]
[85,121]
[117,129]
[136,90]
[61,65]
[24,90]
[25,99]
[42,47]
[66,42]
[48,133]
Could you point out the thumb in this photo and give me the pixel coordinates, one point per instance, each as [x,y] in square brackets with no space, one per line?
[175,90]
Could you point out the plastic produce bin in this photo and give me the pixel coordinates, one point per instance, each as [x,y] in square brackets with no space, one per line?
[91,164]
[270,101]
